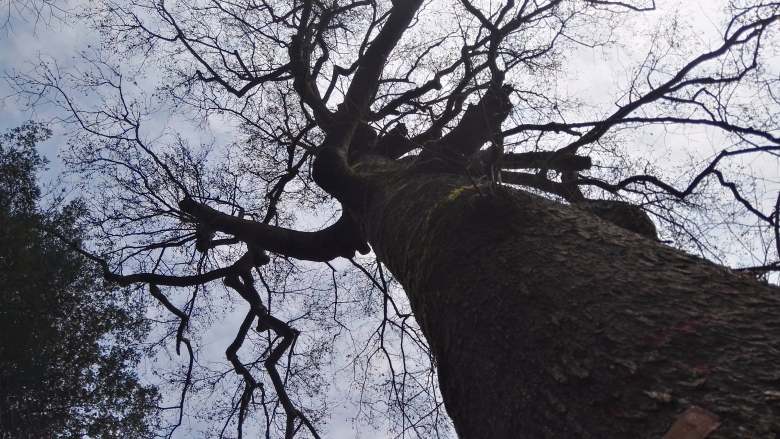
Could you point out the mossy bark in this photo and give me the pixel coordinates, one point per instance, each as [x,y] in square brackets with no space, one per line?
[548,322]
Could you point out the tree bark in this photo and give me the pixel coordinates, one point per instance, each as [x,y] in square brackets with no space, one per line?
[548,322]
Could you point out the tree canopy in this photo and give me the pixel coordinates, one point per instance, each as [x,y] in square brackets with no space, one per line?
[319,105]
[68,343]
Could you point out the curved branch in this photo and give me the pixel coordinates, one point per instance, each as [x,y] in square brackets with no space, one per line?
[180,339]
[338,240]
[300,60]
[741,36]
[680,194]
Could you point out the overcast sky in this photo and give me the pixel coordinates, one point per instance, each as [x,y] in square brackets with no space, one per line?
[25,39]
[594,76]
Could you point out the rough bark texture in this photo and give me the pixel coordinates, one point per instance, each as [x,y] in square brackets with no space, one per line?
[548,322]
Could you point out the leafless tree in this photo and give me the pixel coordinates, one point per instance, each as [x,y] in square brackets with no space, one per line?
[525,238]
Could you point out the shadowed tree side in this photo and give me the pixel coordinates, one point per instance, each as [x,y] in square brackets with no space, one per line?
[547,321]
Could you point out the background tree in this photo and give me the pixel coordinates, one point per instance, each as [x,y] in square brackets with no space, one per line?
[67,343]
[408,129]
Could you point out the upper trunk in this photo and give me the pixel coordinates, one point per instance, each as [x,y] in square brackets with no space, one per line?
[546,321]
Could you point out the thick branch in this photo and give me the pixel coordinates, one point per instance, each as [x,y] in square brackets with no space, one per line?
[363,86]
[339,239]
[330,169]
[395,143]
[545,160]
[480,124]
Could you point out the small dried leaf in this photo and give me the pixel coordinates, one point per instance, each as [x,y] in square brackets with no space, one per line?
[694,423]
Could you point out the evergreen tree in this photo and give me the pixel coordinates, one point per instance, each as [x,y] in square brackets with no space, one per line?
[67,351]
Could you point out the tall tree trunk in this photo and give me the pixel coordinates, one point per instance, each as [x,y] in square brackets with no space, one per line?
[547,322]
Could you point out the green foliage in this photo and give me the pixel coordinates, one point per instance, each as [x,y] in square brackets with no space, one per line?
[67,353]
